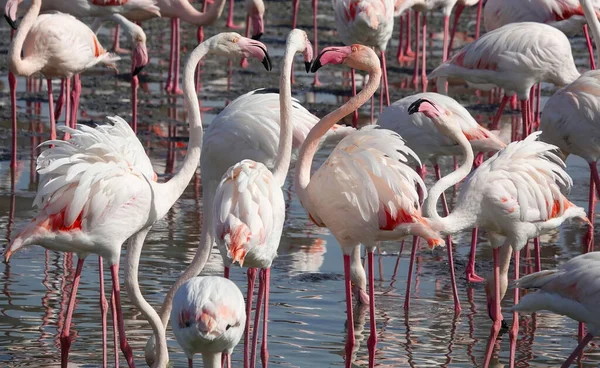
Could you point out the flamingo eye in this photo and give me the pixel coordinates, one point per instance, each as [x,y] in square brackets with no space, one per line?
[354,48]
[234,40]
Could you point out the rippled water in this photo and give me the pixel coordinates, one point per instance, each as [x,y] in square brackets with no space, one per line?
[307,310]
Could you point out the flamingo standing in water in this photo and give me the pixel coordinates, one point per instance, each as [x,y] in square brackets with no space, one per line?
[515,195]
[365,179]
[370,23]
[101,180]
[572,290]
[429,144]
[208,317]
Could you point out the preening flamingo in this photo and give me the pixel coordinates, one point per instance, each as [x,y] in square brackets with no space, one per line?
[366,180]
[566,15]
[85,199]
[370,23]
[208,318]
[514,57]
[572,290]
[56,45]
[515,195]
[429,144]
[249,209]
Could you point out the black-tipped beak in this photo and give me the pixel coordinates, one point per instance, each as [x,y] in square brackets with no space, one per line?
[307,65]
[257,36]
[414,107]
[316,64]
[267,61]
[10,21]
[136,70]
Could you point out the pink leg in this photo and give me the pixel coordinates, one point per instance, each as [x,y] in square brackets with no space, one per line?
[494,309]
[445,50]
[51,110]
[407,49]
[372,341]
[536,247]
[230,23]
[60,101]
[295,4]
[244,62]
[498,115]
[125,348]
[400,53]
[229,361]
[67,106]
[12,82]
[594,172]
[65,337]
[514,330]
[190,363]
[259,302]
[251,277]
[457,13]
[226,272]
[578,350]
[538,106]
[350,318]
[471,276]
[103,309]
[591,207]
[417,40]
[315,4]
[525,116]
[134,90]
[355,115]
[115,327]
[176,89]
[75,96]
[478,23]
[424,54]
[264,352]
[385,79]
[168,86]
[589,46]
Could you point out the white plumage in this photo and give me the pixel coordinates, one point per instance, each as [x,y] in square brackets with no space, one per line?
[367,22]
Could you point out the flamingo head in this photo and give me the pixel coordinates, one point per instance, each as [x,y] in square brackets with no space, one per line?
[10,12]
[300,39]
[356,56]
[440,117]
[231,43]
[256,12]
[139,55]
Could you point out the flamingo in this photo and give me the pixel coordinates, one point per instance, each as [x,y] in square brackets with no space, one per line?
[208,317]
[566,15]
[423,6]
[515,58]
[366,180]
[460,6]
[368,22]
[249,209]
[515,195]
[572,290]
[102,179]
[255,10]
[315,43]
[425,139]
[56,45]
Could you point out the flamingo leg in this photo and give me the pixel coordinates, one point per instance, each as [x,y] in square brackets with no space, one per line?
[264,352]
[525,116]
[538,106]
[190,363]
[536,248]
[315,3]
[498,115]
[494,309]
[445,50]
[471,276]
[229,361]
[75,96]
[103,309]
[125,348]
[134,97]
[457,13]
[589,46]
[176,90]
[244,62]
[400,53]
[514,331]
[350,318]
[355,115]
[295,4]
[407,46]
[65,337]
[12,82]
[113,312]
[591,207]
[424,54]
[259,301]
[250,293]
[578,350]
[60,101]
[478,22]
[372,341]
[171,58]
[230,24]
[226,272]
[51,110]
[594,173]
[67,106]
[417,40]
[385,80]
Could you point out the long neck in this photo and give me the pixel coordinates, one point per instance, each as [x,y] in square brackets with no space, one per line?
[311,143]
[170,191]
[430,206]
[592,20]
[134,250]
[189,14]
[284,153]
[32,63]
[211,360]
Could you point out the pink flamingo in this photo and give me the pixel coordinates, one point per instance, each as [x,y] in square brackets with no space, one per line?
[572,290]
[315,43]
[429,144]
[84,201]
[255,19]
[515,195]
[366,180]
[566,15]
[56,45]
[370,23]
[208,317]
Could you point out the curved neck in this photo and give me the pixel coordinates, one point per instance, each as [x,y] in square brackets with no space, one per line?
[32,63]
[211,360]
[170,191]
[311,143]
[430,206]
[189,14]
[592,21]
[134,250]
[128,26]
[284,152]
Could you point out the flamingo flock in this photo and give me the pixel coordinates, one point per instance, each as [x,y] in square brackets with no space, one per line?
[98,192]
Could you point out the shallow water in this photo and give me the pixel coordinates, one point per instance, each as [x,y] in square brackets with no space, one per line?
[307,305]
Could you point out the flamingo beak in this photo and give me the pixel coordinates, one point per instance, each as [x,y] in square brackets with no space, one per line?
[140,58]
[308,55]
[10,12]
[331,55]
[255,49]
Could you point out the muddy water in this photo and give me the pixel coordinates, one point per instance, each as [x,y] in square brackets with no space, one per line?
[307,310]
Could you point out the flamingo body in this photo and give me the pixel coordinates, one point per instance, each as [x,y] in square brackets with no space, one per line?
[368,22]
